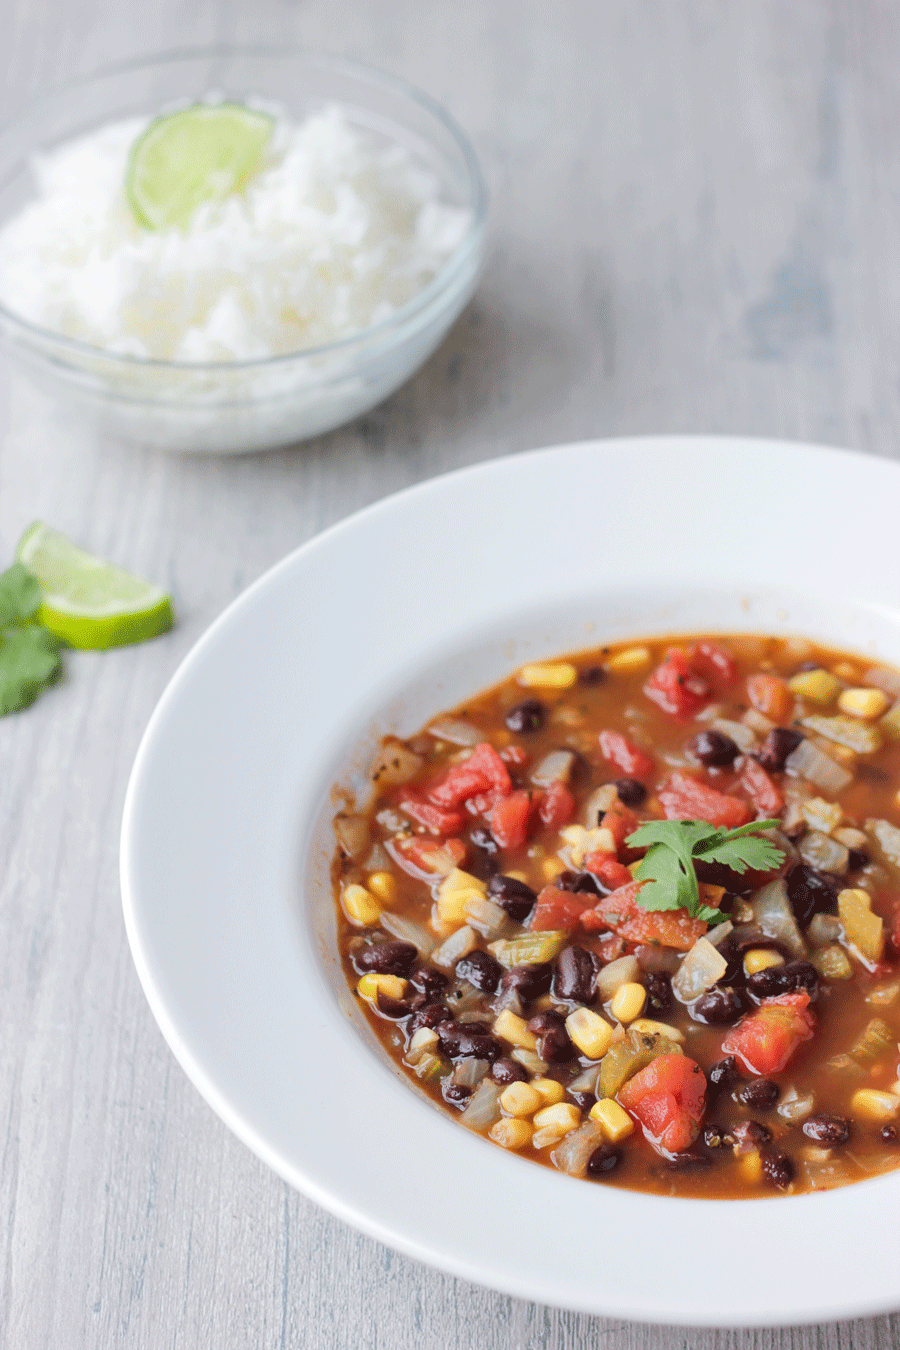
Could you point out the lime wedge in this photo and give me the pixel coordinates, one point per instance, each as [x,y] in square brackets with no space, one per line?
[200,154]
[87,602]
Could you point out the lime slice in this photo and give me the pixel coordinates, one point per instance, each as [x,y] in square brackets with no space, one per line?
[200,154]
[87,602]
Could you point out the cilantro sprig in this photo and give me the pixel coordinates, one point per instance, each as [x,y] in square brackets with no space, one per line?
[674,846]
[29,654]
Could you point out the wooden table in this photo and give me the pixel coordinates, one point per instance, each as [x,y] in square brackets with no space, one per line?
[695,228]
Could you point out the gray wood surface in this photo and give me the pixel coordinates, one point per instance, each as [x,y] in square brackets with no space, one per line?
[695,229]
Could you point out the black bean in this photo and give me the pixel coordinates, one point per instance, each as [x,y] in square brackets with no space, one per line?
[505,1071]
[587,884]
[777,1168]
[631,792]
[713,748]
[429,1016]
[857,858]
[750,1135]
[456,1094]
[480,969]
[530,981]
[888,1134]
[713,1136]
[574,979]
[395,1008]
[513,895]
[659,993]
[466,1042]
[554,1045]
[825,1129]
[724,1075]
[592,675]
[603,1160]
[811,892]
[429,981]
[526,717]
[583,1100]
[780,742]
[786,979]
[387,958]
[720,1007]
[760,1095]
[543,1021]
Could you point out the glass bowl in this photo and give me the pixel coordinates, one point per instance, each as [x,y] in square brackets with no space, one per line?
[241,406]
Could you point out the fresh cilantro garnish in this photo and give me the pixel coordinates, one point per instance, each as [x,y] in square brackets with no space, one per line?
[29,655]
[673,846]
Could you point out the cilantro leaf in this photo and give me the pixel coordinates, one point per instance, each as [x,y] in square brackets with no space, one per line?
[20,596]
[673,847]
[29,660]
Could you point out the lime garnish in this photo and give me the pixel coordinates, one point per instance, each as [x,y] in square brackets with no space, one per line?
[87,602]
[200,154]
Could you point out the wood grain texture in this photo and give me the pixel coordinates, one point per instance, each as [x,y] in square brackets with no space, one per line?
[695,222]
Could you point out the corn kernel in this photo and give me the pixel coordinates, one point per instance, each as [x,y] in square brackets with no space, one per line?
[548,675]
[517,876]
[632,658]
[581,842]
[550,1091]
[819,686]
[614,1120]
[863,929]
[751,1166]
[371,985]
[360,905]
[382,884]
[874,1105]
[760,958]
[563,1117]
[864,703]
[647,1027]
[628,1002]
[511,1133]
[589,1032]
[552,868]
[513,1029]
[895,1088]
[520,1099]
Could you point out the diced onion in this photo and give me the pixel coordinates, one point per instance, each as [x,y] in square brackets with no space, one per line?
[456,732]
[824,929]
[794,1107]
[888,837]
[823,853]
[586,1081]
[720,932]
[700,970]
[457,945]
[773,915]
[490,919]
[396,764]
[808,761]
[744,738]
[598,803]
[408,931]
[469,1072]
[555,767]
[352,834]
[624,970]
[888,680]
[571,1156]
[484,1106]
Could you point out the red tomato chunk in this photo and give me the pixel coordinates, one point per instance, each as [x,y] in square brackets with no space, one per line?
[667,1099]
[686,798]
[765,1040]
[676,687]
[620,751]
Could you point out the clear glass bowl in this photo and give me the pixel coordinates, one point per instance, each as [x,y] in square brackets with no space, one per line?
[246,405]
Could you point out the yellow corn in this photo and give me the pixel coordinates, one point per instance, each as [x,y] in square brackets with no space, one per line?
[517,876]
[551,868]
[760,958]
[382,884]
[371,985]
[895,1088]
[632,658]
[862,928]
[589,1032]
[360,905]
[520,1099]
[647,1027]
[613,1119]
[513,1029]
[872,1104]
[454,893]
[865,703]
[819,686]
[628,1002]
[563,1117]
[751,1166]
[550,1091]
[548,675]
[511,1133]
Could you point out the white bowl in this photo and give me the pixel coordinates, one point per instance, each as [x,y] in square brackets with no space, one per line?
[246,405]
[226,843]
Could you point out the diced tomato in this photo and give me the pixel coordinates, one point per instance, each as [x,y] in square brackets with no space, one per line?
[555,807]
[770,695]
[714,664]
[620,822]
[483,771]
[609,947]
[622,913]
[686,798]
[764,1040]
[619,751]
[759,787]
[667,1099]
[425,859]
[558,909]
[438,819]
[618,905]
[509,819]
[675,687]
[514,755]
[483,803]
[608,870]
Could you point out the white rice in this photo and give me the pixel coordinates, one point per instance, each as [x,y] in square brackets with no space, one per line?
[334,233]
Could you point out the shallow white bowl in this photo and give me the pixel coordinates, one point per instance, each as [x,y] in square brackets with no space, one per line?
[226,843]
[242,406]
